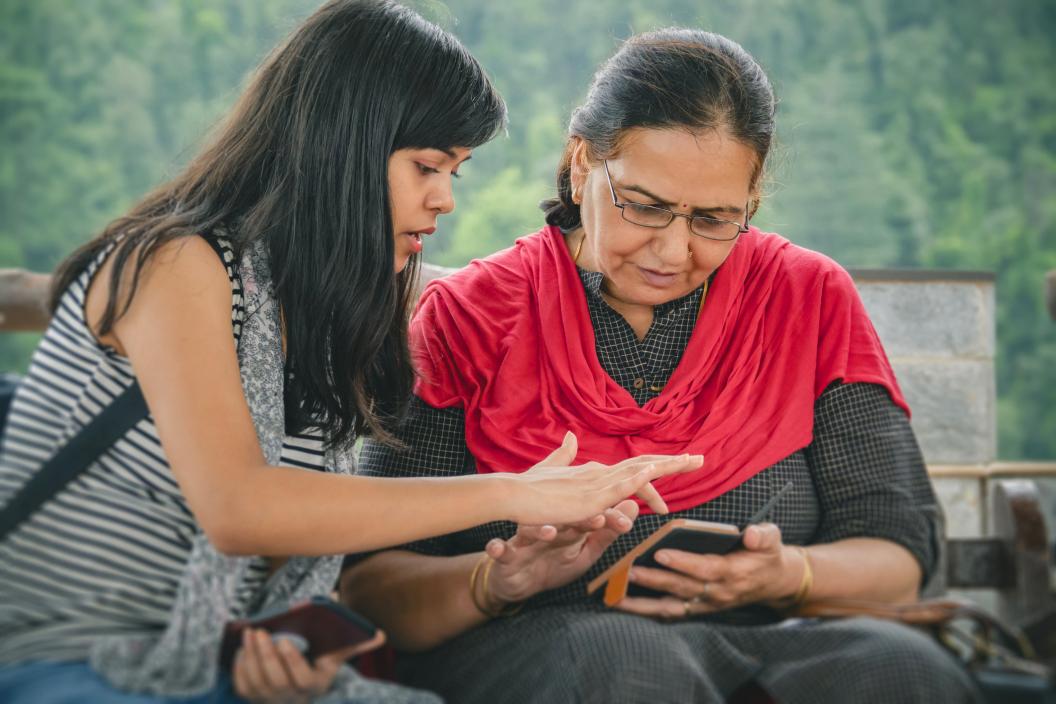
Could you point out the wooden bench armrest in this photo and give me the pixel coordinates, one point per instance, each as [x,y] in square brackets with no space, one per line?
[23,300]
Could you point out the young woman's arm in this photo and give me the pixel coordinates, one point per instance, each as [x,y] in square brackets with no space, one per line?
[177,335]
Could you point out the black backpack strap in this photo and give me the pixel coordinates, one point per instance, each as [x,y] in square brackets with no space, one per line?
[75,456]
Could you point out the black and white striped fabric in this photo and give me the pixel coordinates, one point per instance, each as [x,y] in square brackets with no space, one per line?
[861,476]
[104,556]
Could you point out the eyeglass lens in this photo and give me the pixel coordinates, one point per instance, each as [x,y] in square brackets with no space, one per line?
[649,216]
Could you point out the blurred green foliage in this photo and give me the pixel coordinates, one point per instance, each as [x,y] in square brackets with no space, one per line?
[914,133]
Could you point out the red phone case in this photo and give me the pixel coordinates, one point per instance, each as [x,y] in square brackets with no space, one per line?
[325,624]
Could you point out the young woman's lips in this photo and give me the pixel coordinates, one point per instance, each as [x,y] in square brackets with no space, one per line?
[416,238]
[416,242]
[659,279]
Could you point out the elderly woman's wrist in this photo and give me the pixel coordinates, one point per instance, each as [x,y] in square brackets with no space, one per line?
[798,577]
[484,597]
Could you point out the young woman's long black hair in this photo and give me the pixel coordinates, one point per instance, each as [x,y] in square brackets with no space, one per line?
[302,163]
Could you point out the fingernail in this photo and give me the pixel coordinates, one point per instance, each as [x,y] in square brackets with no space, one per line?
[663,557]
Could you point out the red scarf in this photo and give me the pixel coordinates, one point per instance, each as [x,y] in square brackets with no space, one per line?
[509,339]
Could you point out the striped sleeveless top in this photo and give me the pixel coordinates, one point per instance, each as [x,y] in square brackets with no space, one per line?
[105,555]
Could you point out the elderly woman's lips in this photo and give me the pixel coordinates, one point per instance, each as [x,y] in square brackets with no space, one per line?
[659,279]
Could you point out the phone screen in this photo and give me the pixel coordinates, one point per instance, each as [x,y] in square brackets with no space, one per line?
[702,542]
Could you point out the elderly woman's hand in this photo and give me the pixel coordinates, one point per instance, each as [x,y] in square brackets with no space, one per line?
[538,558]
[765,571]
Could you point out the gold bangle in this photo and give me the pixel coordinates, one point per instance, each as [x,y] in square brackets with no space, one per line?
[473,584]
[807,581]
[505,610]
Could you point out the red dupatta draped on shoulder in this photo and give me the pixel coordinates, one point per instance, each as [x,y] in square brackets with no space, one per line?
[509,340]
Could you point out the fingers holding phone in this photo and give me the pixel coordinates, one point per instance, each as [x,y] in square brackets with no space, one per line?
[275,670]
[762,570]
[273,667]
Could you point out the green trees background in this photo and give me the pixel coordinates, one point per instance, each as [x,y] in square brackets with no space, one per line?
[914,133]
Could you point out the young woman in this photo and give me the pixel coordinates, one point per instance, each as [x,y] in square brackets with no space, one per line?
[659,320]
[259,300]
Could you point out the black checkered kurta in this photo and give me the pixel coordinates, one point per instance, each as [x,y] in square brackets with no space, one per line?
[861,476]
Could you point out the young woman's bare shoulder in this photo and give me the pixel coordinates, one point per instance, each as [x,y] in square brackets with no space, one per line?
[183,271]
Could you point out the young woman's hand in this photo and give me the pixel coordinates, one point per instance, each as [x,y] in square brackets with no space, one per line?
[552,492]
[765,571]
[274,671]
[538,558]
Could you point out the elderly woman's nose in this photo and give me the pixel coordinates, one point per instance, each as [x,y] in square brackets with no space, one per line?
[672,243]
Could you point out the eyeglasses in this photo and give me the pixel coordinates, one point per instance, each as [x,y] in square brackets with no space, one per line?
[656,217]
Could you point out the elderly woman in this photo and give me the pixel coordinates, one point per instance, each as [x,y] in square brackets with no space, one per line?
[648,316]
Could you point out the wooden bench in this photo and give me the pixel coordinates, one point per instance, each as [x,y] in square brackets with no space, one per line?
[1014,558]
[23,300]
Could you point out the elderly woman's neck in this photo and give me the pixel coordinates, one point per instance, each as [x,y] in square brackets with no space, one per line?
[637,315]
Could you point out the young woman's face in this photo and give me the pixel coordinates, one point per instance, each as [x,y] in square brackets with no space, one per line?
[419,192]
[706,173]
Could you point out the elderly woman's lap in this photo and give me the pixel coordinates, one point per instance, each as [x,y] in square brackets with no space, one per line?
[857,660]
[562,655]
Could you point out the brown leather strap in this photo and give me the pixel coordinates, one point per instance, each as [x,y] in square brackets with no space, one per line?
[922,613]
[933,613]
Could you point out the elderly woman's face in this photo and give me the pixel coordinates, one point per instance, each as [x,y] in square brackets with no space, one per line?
[693,174]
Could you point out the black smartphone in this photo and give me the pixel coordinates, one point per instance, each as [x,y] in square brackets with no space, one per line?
[702,537]
[678,534]
[317,626]
[697,537]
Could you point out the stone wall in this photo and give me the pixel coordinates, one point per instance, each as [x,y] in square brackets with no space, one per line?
[938,330]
